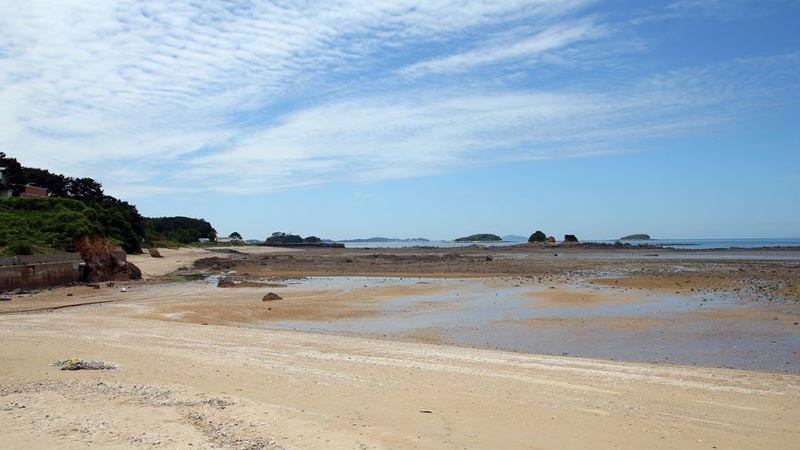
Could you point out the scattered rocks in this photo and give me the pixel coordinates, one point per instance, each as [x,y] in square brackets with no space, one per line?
[271,296]
[80,364]
[229,251]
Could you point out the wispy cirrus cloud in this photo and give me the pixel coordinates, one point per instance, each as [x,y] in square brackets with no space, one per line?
[718,9]
[402,135]
[169,78]
[149,96]
[512,47]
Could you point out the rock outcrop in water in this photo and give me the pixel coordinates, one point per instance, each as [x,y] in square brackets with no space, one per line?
[636,237]
[537,237]
[482,237]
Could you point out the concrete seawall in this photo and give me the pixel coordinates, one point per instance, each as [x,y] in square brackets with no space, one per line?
[36,272]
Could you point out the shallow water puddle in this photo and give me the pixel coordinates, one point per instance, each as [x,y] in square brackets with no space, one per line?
[573,319]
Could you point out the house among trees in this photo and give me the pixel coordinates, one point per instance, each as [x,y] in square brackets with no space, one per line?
[29,191]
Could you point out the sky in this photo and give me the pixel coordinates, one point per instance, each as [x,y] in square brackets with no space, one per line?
[437,118]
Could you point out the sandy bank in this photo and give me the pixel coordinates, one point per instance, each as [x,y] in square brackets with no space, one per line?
[210,386]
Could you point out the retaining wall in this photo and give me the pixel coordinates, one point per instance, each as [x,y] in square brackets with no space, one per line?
[36,272]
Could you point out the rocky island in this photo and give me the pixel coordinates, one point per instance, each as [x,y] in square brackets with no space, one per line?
[482,237]
[636,237]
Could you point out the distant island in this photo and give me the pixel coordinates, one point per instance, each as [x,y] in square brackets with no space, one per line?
[384,239]
[483,237]
[636,237]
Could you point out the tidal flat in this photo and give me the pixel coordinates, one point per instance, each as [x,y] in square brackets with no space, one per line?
[413,348]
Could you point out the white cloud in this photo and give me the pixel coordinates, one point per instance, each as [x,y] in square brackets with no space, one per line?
[512,48]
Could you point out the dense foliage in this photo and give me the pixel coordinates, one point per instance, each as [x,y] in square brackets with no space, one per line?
[483,237]
[112,218]
[45,222]
[117,220]
[570,238]
[179,229]
[538,237]
[279,237]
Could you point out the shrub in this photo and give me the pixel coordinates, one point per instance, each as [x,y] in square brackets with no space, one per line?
[20,248]
[47,221]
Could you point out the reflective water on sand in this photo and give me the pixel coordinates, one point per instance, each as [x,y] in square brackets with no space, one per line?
[589,322]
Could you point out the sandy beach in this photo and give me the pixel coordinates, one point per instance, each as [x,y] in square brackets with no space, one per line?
[387,351]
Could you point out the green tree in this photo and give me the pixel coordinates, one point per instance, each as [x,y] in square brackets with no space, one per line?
[85,189]
[13,173]
[235,236]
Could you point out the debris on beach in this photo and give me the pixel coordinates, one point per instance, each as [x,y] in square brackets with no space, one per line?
[82,364]
[271,296]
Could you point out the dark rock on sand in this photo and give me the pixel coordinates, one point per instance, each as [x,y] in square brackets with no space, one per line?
[102,262]
[271,296]
[224,283]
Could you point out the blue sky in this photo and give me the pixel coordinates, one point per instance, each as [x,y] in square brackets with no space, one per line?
[399,118]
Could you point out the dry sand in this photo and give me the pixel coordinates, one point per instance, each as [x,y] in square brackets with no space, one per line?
[184,257]
[182,385]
